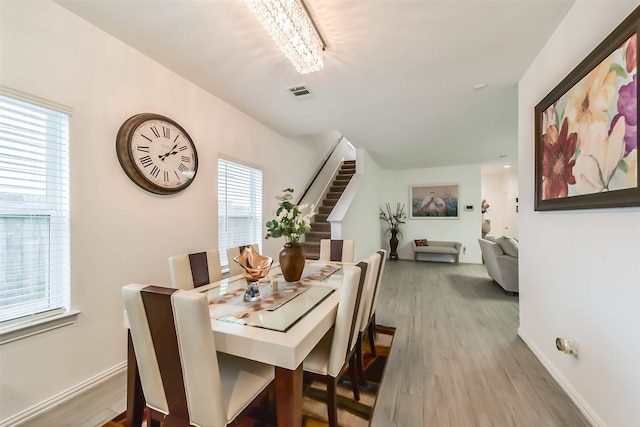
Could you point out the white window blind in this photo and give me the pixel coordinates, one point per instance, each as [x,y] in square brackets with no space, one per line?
[239,206]
[34,211]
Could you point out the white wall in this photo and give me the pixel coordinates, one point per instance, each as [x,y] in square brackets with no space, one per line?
[466,230]
[578,277]
[494,190]
[120,233]
[513,205]
[501,189]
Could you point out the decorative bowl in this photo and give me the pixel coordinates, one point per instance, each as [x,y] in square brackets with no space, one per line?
[254,267]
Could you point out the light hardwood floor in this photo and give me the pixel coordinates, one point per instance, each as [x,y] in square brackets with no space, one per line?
[456,359]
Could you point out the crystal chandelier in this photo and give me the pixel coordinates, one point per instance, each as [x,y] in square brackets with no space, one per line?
[290,26]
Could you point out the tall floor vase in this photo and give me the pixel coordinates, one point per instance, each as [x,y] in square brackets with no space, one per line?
[393,244]
[292,259]
[486,226]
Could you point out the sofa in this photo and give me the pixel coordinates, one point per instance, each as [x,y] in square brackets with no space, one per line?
[424,246]
[500,255]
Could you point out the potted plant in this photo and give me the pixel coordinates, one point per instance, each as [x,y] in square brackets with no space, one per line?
[393,222]
[290,223]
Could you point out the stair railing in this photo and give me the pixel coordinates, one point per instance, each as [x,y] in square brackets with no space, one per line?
[342,150]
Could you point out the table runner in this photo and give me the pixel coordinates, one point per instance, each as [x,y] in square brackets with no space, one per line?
[227,304]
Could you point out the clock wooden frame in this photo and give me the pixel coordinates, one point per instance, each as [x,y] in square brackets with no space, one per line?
[124,150]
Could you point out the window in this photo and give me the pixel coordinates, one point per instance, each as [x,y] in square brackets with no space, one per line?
[239,206]
[34,212]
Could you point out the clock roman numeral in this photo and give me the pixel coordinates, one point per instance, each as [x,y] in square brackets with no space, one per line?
[166,176]
[155,171]
[183,168]
[143,148]
[177,175]
[176,138]
[184,147]
[146,137]
[186,159]
[155,131]
[166,132]
[146,161]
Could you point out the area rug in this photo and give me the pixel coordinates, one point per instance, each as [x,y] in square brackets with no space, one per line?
[351,413]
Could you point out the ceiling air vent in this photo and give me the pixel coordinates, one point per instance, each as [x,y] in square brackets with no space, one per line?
[299,91]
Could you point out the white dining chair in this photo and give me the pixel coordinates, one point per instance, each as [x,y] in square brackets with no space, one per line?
[234,268]
[185,382]
[371,325]
[336,350]
[190,271]
[376,265]
[337,250]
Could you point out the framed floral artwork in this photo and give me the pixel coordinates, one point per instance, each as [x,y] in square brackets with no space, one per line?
[586,142]
[434,201]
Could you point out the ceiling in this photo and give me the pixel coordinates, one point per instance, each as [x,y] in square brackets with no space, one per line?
[398,77]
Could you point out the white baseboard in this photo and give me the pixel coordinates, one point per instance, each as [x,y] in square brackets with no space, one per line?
[573,394]
[88,404]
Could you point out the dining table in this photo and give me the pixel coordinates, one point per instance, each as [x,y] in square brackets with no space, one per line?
[280,329]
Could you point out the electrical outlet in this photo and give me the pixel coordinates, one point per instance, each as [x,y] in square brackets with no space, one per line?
[464,249]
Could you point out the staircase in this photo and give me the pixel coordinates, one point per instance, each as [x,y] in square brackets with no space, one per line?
[320,227]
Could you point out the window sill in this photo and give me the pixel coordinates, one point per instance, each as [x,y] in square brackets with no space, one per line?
[16,332]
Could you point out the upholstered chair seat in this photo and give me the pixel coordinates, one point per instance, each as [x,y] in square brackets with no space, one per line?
[318,360]
[241,381]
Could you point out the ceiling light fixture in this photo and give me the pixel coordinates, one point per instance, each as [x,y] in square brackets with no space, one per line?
[291,27]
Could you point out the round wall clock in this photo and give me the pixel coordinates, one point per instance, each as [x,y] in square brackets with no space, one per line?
[156,153]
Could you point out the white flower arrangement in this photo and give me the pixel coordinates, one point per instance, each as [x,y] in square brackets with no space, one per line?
[290,221]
